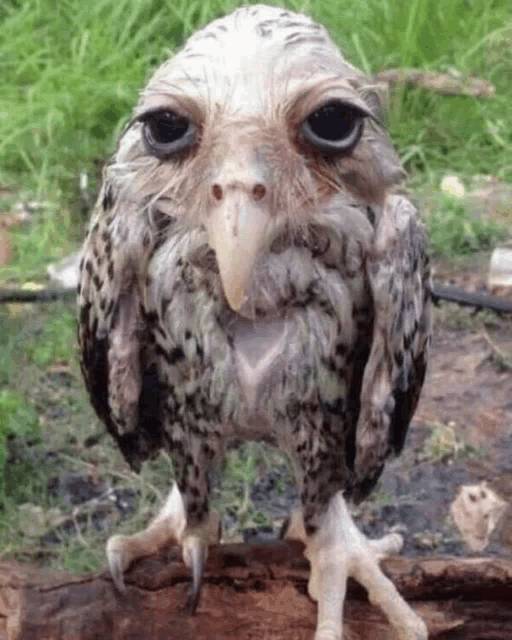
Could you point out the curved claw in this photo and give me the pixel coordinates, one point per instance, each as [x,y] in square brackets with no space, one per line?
[195,552]
[114,564]
[389,545]
[117,561]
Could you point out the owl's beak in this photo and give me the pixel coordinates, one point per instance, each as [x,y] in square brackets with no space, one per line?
[236,230]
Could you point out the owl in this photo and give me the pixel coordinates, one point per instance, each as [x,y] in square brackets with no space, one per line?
[253,272]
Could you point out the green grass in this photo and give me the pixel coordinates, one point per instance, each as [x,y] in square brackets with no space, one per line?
[70,74]
[443,444]
[454,230]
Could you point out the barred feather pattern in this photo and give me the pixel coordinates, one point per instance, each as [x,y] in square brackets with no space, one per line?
[327,356]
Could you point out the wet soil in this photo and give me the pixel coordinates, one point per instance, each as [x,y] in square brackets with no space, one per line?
[470,396]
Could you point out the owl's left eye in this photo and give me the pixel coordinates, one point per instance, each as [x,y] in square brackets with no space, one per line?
[333,128]
[166,133]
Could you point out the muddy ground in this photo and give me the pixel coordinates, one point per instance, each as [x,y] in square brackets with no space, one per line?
[461,435]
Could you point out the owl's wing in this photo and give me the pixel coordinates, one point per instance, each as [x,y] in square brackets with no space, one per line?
[116,359]
[400,282]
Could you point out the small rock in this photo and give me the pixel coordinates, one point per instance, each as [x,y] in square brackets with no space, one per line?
[66,272]
[427,540]
[73,489]
[125,500]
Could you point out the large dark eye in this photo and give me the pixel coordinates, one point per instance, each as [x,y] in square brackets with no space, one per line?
[166,133]
[334,128]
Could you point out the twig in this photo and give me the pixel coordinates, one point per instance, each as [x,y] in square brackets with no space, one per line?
[43,295]
[497,355]
[492,344]
[446,83]
[475,299]
[74,517]
[119,474]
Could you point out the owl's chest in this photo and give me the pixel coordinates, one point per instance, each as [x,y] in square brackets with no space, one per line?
[294,340]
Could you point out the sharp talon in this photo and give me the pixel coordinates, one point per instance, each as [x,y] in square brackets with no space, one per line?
[116,563]
[192,600]
[197,565]
[194,553]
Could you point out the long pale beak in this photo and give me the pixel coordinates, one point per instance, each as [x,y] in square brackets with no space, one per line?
[236,230]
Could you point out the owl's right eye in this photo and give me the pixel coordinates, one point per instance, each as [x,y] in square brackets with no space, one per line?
[166,133]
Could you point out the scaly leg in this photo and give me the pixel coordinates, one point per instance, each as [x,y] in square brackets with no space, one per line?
[168,528]
[338,550]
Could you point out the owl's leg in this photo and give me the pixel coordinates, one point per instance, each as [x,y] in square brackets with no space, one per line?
[184,518]
[168,528]
[203,529]
[337,550]
[164,531]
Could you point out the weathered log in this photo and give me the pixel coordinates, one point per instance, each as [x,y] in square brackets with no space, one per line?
[250,591]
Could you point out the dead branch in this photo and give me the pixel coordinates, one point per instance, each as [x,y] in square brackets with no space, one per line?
[250,591]
[446,83]
[41,295]
[477,299]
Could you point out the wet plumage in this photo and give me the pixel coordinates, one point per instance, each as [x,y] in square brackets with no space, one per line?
[251,272]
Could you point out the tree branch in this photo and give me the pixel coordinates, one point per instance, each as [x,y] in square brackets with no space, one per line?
[42,295]
[250,591]
[476,299]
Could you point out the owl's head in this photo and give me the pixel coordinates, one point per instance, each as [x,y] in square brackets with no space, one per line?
[257,125]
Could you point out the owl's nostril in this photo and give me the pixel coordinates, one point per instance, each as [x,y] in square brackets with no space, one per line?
[217,192]
[259,191]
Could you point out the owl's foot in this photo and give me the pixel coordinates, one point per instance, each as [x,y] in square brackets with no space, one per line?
[337,551]
[168,528]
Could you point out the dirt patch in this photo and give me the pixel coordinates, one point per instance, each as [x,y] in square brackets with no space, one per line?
[466,386]
[467,395]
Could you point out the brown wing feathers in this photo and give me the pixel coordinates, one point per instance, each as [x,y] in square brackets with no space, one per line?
[399,276]
[113,336]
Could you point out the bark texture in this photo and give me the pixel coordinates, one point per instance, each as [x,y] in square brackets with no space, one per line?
[251,592]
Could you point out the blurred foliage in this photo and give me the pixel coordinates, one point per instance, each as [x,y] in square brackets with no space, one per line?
[454,230]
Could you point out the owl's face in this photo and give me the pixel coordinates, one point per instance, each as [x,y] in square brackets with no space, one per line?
[256,126]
